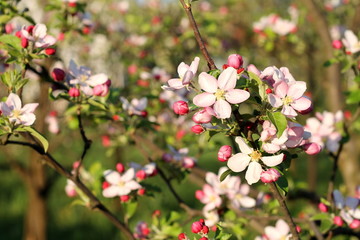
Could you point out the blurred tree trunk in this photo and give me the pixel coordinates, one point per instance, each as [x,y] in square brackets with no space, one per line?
[36,216]
[348,163]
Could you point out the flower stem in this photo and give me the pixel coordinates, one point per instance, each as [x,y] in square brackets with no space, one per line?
[288,218]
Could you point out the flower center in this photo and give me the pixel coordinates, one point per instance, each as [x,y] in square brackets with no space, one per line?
[121,184]
[83,78]
[288,100]
[16,113]
[255,156]
[220,94]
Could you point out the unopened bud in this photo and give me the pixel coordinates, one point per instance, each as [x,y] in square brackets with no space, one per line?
[224,153]
[235,61]
[50,51]
[338,221]
[74,92]
[198,129]
[58,74]
[181,107]
[312,148]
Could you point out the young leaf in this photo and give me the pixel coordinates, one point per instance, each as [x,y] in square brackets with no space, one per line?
[283,184]
[279,120]
[225,174]
[130,209]
[36,135]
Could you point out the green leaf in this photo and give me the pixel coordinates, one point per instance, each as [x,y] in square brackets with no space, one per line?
[35,134]
[353,97]
[283,184]
[279,120]
[5,18]
[12,41]
[130,209]
[97,104]
[220,235]
[225,174]
[330,62]
[260,83]
[320,216]
[174,216]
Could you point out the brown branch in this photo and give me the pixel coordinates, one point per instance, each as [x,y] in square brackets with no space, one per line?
[288,218]
[87,142]
[200,41]
[95,203]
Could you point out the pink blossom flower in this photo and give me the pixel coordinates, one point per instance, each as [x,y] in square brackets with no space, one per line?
[70,188]
[351,42]
[53,122]
[142,230]
[224,153]
[211,217]
[270,175]
[271,143]
[348,206]
[248,157]
[120,185]
[211,198]
[13,110]
[290,97]
[39,36]
[239,196]
[220,93]
[186,74]
[135,107]
[281,231]
[203,116]
[235,61]
[197,129]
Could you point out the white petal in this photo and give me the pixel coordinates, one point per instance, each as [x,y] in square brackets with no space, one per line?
[133,185]
[182,68]
[227,79]
[97,79]
[111,191]
[194,65]
[244,148]
[121,191]
[238,162]
[112,177]
[208,83]
[13,101]
[211,178]
[39,31]
[128,175]
[204,99]
[222,109]
[274,100]
[27,119]
[253,173]
[272,233]
[247,202]
[236,96]
[272,161]
[29,108]
[282,227]
[175,83]
[339,199]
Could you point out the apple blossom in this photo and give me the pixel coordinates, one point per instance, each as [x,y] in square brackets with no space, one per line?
[120,185]
[290,97]
[135,107]
[239,196]
[220,92]
[248,157]
[351,42]
[70,188]
[196,227]
[279,232]
[142,230]
[224,153]
[13,110]
[74,92]
[235,61]
[38,36]
[53,122]
[211,198]
[348,206]
[355,224]
[211,217]
[186,74]
[181,107]
[270,175]
[312,148]
[203,116]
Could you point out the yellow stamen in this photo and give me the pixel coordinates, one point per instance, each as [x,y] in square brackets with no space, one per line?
[255,156]
[288,100]
[220,94]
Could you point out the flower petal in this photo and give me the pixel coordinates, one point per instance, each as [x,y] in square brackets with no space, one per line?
[27,119]
[97,79]
[247,202]
[227,79]
[236,96]
[288,111]
[301,104]
[194,65]
[281,89]
[253,173]
[204,99]
[29,108]
[112,177]
[208,83]
[182,68]
[13,101]
[39,30]
[244,148]
[282,227]
[296,89]
[272,161]
[222,109]
[111,191]
[128,175]
[238,162]
[133,185]
[274,100]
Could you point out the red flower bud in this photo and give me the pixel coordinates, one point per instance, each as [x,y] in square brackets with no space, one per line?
[58,74]
[268,91]
[180,107]
[355,224]
[141,191]
[196,227]
[224,153]
[235,61]
[198,129]
[141,175]
[338,221]
[156,213]
[50,51]
[205,229]
[124,198]
[105,185]
[182,236]
[337,44]
[74,92]
[322,207]
[24,43]
[120,167]
[30,29]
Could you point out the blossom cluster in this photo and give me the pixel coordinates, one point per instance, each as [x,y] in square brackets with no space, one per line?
[180,157]
[276,24]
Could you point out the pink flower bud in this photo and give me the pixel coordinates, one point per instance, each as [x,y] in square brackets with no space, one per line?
[198,129]
[312,148]
[140,175]
[101,90]
[58,74]
[298,228]
[124,198]
[70,191]
[253,69]
[322,207]
[203,116]
[224,153]
[180,107]
[105,185]
[338,221]
[76,164]
[270,175]
[24,43]
[50,51]
[74,92]
[199,194]
[188,162]
[235,61]
[196,227]
[105,140]
[132,69]
[9,28]
[141,191]
[30,29]
[355,224]
[182,236]
[120,167]
[205,229]
[203,238]
[156,213]
[337,44]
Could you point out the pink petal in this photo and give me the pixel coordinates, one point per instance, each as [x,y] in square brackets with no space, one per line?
[274,100]
[301,104]
[194,65]
[222,109]
[253,173]
[272,161]
[204,99]
[247,202]
[97,79]
[236,96]
[13,101]
[244,148]
[182,68]
[296,89]
[208,83]
[29,108]
[227,79]
[238,162]
[282,227]
[281,89]
[270,148]
[289,111]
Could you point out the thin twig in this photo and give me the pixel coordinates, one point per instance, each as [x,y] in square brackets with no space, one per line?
[95,203]
[87,142]
[198,37]
[288,218]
